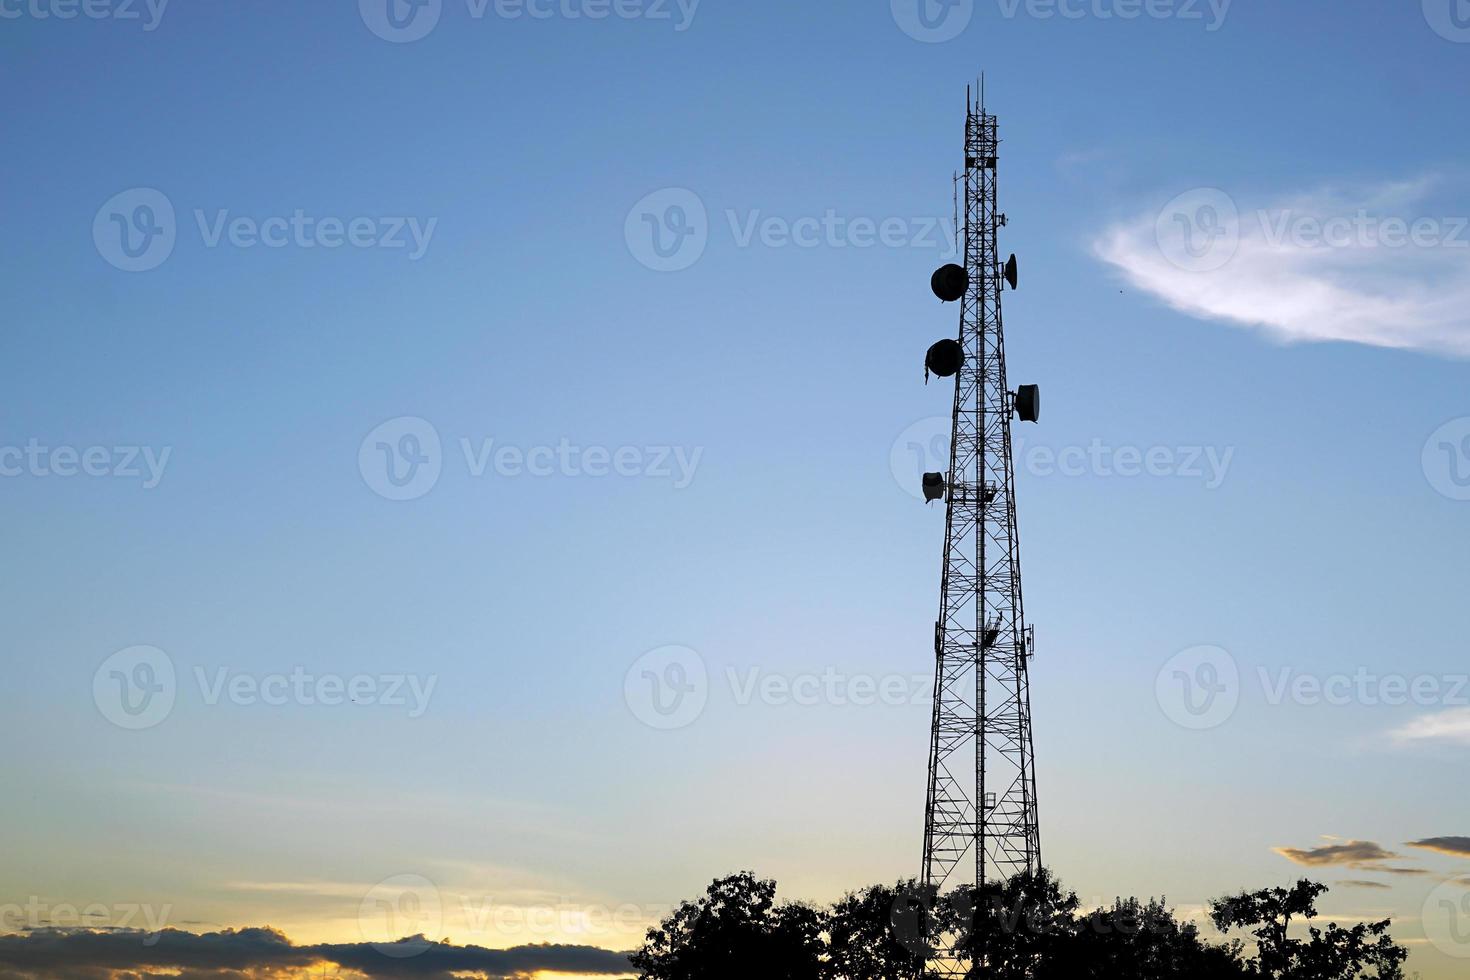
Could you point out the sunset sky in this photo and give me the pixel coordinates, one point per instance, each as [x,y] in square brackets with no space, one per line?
[461,466]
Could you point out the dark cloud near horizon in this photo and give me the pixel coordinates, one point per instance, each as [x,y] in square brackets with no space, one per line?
[1353,854]
[1453,846]
[1356,883]
[248,954]
[1359,855]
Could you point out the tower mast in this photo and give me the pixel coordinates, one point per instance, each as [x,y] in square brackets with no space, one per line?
[981,814]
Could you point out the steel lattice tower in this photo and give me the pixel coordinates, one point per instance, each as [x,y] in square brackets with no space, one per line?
[981,805]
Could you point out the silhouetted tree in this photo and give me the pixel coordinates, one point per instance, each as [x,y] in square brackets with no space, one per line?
[1139,942]
[1333,954]
[1006,929]
[877,933]
[735,932]
[1027,928]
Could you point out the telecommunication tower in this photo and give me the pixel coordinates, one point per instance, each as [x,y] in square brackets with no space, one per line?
[980,816]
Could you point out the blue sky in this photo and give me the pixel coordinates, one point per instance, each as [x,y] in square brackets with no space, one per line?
[763,398]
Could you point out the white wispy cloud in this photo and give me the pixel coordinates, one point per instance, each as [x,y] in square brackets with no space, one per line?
[1445,726]
[1386,265]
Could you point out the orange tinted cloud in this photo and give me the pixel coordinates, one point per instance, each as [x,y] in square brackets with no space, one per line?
[1353,853]
[267,954]
[1453,846]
